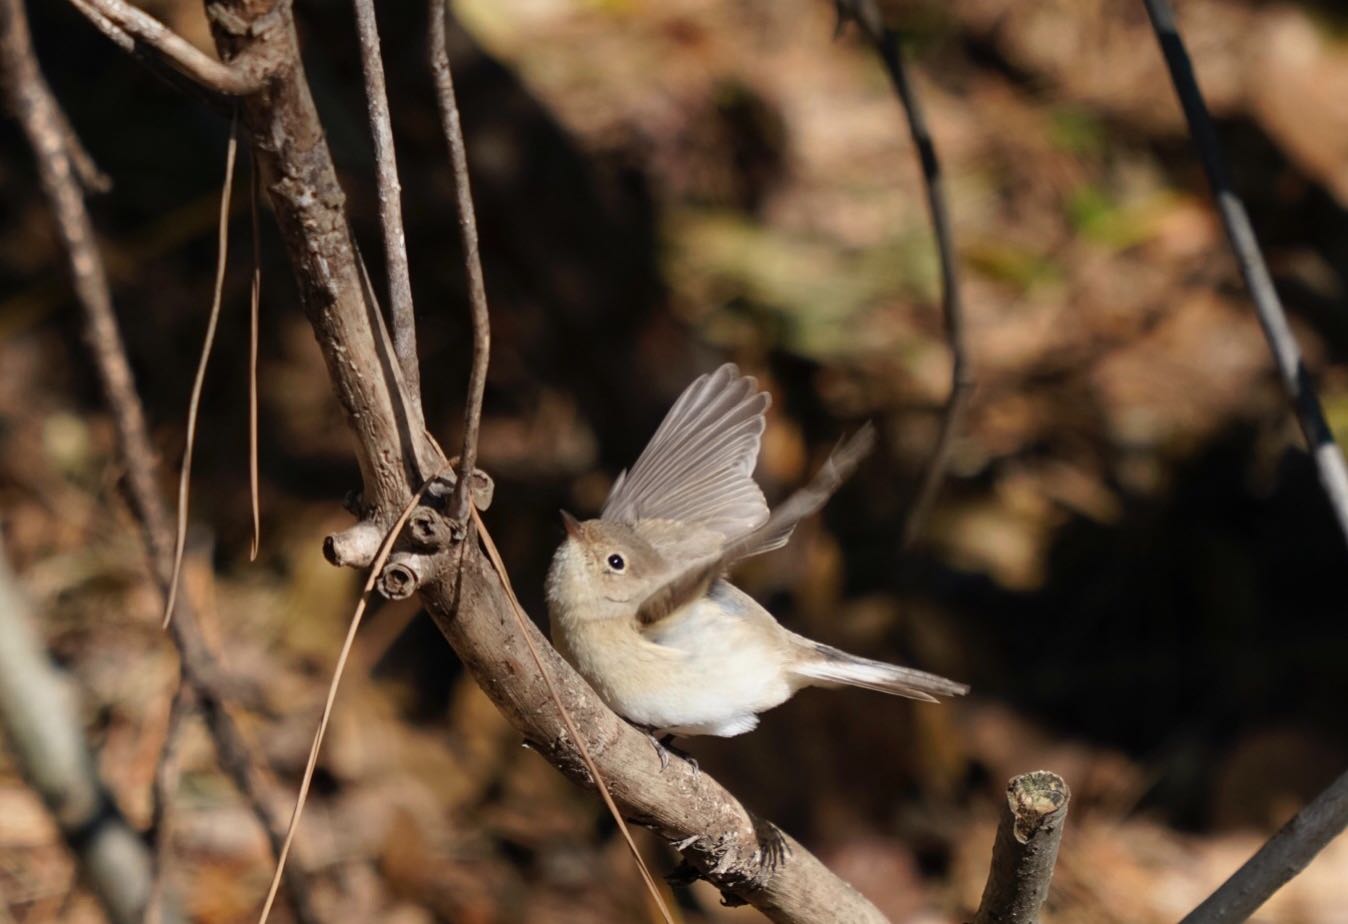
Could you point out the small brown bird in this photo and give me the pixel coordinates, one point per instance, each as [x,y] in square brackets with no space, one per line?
[638,601]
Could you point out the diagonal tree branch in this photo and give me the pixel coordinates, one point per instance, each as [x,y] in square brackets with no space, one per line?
[47,133]
[1292,848]
[469,603]
[886,43]
[390,204]
[137,32]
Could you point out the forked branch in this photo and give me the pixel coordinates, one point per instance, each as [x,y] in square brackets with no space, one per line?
[138,32]
[470,604]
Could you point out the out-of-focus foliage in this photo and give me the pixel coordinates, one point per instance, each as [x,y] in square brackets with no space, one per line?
[1131,564]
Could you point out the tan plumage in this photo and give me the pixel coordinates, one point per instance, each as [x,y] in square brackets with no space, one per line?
[638,600]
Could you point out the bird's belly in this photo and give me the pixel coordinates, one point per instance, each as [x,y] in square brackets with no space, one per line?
[709,690]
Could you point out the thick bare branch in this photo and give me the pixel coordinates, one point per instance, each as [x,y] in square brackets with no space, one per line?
[472,258]
[716,834]
[1026,849]
[135,31]
[47,132]
[394,452]
[44,730]
[886,42]
[390,204]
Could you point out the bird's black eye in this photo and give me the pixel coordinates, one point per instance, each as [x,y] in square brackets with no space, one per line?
[615,561]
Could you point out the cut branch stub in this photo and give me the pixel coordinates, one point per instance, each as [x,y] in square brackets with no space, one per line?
[406,572]
[429,530]
[354,547]
[1026,849]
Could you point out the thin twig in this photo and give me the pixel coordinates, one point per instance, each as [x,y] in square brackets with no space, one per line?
[254,320]
[375,567]
[1296,379]
[87,171]
[134,30]
[477,290]
[1281,858]
[461,505]
[1288,851]
[47,133]
[495,556]
[390,206]
[886,42]
[194,404]
[1025,850]
[165,785]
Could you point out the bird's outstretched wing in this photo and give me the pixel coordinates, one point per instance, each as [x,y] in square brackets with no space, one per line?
[699,466]
[688,580]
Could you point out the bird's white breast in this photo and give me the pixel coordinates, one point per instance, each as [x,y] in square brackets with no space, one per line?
[706,669]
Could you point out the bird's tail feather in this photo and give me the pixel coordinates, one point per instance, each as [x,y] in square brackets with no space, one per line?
[823,665]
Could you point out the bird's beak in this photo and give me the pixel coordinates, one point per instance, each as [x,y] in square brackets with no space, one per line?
[571,523]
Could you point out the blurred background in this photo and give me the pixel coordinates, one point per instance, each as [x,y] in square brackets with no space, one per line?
[1131,561]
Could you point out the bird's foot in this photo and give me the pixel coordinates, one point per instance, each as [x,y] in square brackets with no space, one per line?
[664,748]
[772,846]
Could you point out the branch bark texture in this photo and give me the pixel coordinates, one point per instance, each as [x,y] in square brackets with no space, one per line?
[301,182]
[1026,849]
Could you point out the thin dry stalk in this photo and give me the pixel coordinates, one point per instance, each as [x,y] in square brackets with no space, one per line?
[472,259]
[384,549]
[254,319]
[390,205]
[581,746]
[194,405]
[886,43]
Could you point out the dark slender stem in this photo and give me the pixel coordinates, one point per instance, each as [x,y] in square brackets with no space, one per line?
[390,205]
[1288,852]
[1026,849]
[1296,379]
[477,291]
[886,43]
[1281,858]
